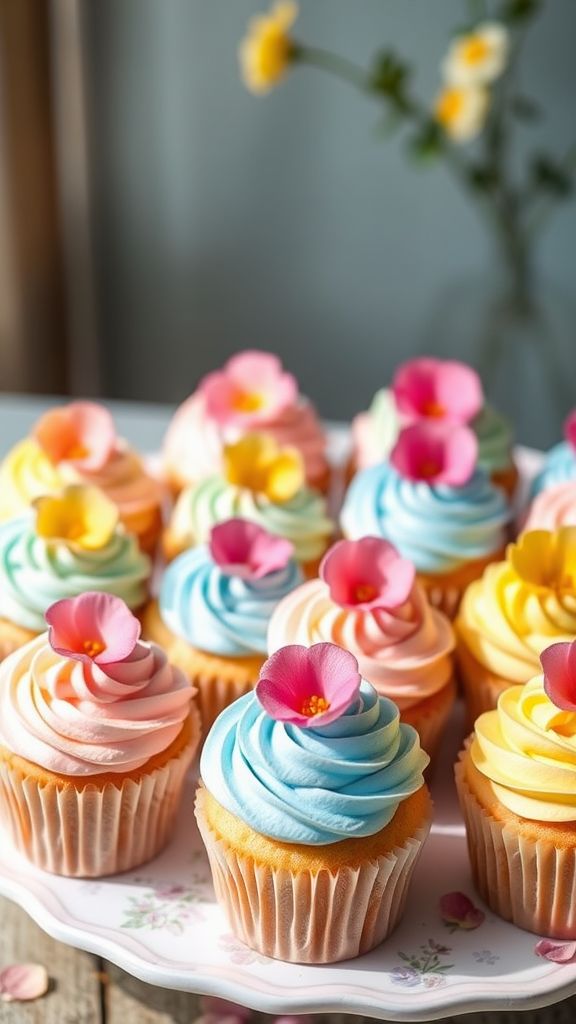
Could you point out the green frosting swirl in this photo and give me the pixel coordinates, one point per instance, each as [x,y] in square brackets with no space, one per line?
[35,572]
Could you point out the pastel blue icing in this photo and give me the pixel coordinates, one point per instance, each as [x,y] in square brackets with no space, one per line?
[313,786]
[221,614]
[559,468]
[437,527]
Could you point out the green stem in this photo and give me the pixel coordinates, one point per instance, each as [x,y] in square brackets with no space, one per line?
[334,64]
[538,216]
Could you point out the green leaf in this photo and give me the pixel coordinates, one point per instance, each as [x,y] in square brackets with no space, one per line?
[551,176]
[515,11]
[483,177]
[427,143]
[389,76]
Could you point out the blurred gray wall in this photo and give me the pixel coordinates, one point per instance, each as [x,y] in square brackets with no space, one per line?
[285,222]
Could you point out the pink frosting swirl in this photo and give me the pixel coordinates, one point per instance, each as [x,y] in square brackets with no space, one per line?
[405,653]
[193,442]
[553,508]
[76,718]
[124,481]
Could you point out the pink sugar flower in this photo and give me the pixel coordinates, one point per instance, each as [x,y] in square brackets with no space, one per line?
[81,433]
[439,453]
[23,982]
[93,627]
[559,665]
[247,550]
[251,388]
[570,429]
[366,574]
[439,389]
[458,911]
[308,686]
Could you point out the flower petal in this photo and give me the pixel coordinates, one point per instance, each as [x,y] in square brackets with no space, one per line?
[366,574]
[80,515]
[81,433]
[285,476]
[437,453]
[294,674]
[93,627]
[570,429]
[457,908]
[559,666]
[438,389]
[23,982]
[244,549]
[558,952]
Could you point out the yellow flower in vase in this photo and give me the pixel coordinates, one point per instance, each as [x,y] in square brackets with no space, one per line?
[477,58]
[258,463]
[546,559]
[461,111]
[267,50]
[81,516]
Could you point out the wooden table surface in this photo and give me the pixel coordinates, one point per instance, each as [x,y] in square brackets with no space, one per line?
[85,989]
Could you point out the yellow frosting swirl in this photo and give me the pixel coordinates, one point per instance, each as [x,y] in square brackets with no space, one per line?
[527,749]
[26,474]
[522,605]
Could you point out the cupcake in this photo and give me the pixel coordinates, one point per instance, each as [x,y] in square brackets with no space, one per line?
[560,462]
[312,808]
[367,601]
[552,508]
[214,608]
[509,616]
[61,547]
[97,731]
[438,508]
[515,782]
[77,444]
[264,484]
[251,393]
[437,390]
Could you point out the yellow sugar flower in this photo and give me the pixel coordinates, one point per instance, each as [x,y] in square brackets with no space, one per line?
[479,57]
[546,559]
[257,463]
[461,111]
[80,515]
[267,50]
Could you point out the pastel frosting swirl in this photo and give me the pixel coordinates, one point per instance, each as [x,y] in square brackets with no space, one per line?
[375,433]
[437,527]
[559,467]
[506,622]
[302,520]
[553,508]
[35,572]
[194,441]
[527,749]
[218,613]
[405,653]
[27,473]
[313,786]
[81,719]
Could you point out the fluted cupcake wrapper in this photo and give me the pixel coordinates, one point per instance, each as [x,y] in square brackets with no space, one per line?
[527,881]
[93,831]
[216,692]
[481,687]
[431,716]
[443,595]
[310,918]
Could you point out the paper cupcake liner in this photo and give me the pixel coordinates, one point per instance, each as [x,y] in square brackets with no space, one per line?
[445,590]
[530,882]
[309,918]
[215,693]
[480,686]
[90,832]
[430,718]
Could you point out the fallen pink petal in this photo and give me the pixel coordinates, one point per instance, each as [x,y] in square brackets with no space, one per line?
[23,982]
[457,909]
[558,952]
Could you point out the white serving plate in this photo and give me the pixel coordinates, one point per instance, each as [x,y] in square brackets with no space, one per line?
[161,924]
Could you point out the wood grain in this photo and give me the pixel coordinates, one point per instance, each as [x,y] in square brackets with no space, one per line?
[75,990]
[129,1001]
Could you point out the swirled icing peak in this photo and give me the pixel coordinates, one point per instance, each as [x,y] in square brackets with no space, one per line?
[366,574]
[80,718]
[527,750]
[313,786]
[437,527]
[219,611]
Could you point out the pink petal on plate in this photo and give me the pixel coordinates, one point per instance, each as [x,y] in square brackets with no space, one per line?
[558,952]
[457,908]
[21,982]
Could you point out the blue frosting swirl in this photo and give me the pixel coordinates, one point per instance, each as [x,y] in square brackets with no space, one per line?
[313,786]
[221,614]
[559,468]
[437,527]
